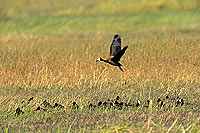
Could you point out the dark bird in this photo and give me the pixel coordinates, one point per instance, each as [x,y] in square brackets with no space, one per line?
[115,52]
[180,102]
[46,104]
[91,106]
[118,98]
[18,111]
[160,103]
[100,103]
[147,104]
[138,103]
[30,99]
[116,103]
[105,104]
[58,106]
[120,105]
[159,100]
[111,102]
[39,108]
[75,105]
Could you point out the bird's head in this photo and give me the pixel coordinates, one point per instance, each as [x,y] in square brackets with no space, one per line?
[116,36]
[99,59]
[139,102]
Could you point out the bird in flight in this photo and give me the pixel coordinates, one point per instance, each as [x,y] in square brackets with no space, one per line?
[115,52]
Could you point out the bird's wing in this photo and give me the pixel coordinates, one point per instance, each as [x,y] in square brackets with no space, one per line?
[115,46]
[119,54]
[120,68]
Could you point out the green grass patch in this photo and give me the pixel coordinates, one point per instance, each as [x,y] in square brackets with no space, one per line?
[141,22]
[16,9]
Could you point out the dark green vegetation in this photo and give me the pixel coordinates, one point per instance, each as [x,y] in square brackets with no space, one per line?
[48,52]
[161,21]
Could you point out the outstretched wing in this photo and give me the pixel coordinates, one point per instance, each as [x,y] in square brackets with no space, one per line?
[118,56]
[115,46]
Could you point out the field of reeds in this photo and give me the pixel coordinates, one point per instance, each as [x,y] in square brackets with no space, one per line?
[48,51]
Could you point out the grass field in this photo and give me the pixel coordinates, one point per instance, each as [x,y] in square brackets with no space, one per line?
[48,52]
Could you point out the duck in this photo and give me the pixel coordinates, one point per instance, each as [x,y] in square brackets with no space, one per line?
[18,112]
[30,99]
[46,104]
[39,108]
[75,106]
[134,104]
[57,105]
[180,102]
[92,107]
[115,52]
[160,103]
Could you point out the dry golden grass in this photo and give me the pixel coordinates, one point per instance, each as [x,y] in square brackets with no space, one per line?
[32,61]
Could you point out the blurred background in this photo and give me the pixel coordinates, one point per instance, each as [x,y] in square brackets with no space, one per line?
[22,8]
[61,16]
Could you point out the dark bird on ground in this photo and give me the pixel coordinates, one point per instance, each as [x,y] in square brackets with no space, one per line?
[58,106]
[120,106]
[147,104]
[118,98]
[75,105]
[111,102]
[180,102]
[160,103]
[22,101]
[116,103]
[105,104]
[167,97]
[100,103]
[39,108]
[115,52]
[91,106]
[18,112]
[138,103]
[46,104]
[30,99]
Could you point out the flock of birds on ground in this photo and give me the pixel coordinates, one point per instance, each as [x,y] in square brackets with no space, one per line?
[115,104]
[116,53]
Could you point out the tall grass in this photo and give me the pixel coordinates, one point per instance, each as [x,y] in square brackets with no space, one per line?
[45,61]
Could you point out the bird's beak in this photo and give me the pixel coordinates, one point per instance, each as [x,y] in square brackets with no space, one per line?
[97,60]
